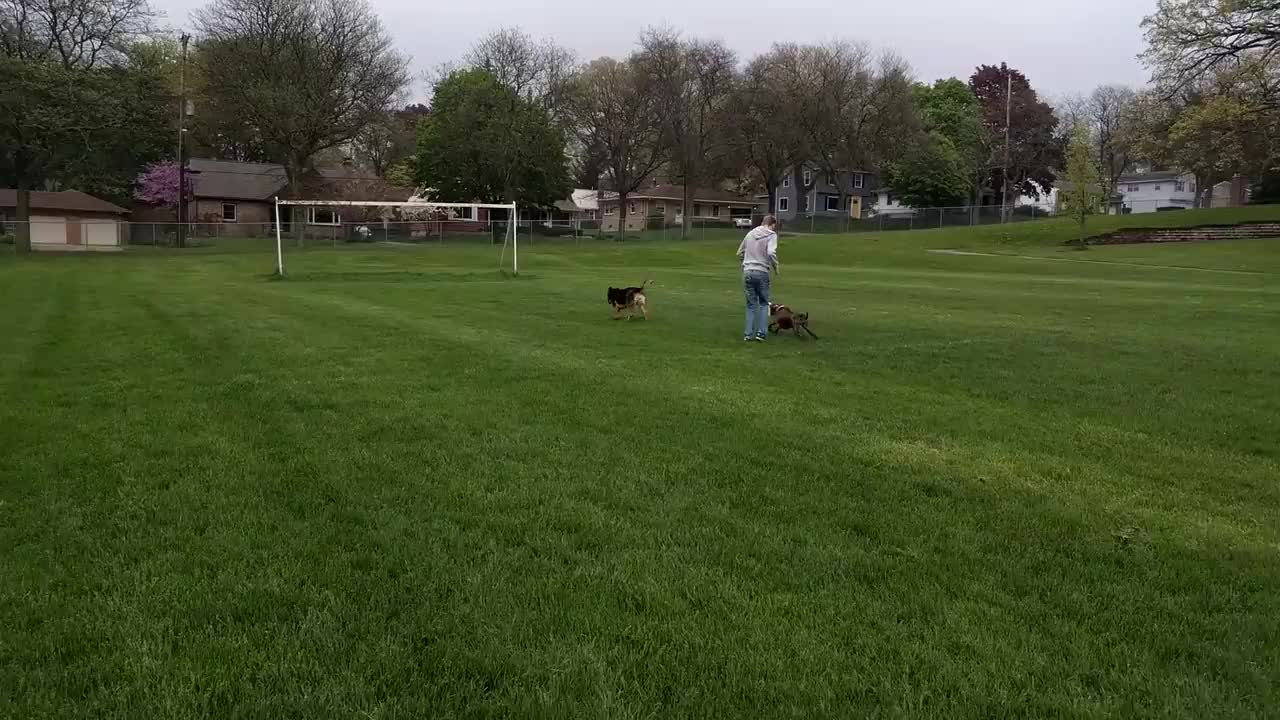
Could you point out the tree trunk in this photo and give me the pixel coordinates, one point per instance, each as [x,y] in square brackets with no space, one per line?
[297,215]
[687,221]
[22,234]
[622,214]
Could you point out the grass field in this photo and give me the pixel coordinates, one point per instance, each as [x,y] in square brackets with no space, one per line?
[1032,482]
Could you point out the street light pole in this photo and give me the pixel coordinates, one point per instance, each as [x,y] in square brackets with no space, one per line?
[182,129]
[1008,104]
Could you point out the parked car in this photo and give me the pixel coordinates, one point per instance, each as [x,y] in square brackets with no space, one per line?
[742,222]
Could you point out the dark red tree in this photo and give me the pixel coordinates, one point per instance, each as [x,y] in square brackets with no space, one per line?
[1035,150]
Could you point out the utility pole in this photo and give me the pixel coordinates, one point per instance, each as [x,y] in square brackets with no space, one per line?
[1004,173]
[182,130]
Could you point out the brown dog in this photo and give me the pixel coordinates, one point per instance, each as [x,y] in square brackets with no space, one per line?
[782,317]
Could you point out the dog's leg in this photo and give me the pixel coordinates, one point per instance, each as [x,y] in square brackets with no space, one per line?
[617,312]
[806,329]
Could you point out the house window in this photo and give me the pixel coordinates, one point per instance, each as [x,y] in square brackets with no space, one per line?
[784,204]
[631,207]
[833,203]
[804,207]
[1157,188]
[715,211]
[1179,186]
[611,210]
[857,181]
[1133,188]
[660,209]
[697,211]
[786,181]
[464,213]
[322,216]
[229,212]
[808,178]
[829,179]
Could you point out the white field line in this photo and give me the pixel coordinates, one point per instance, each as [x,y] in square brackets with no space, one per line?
[1098,262]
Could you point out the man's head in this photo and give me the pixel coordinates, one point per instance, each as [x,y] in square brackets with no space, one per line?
[769,221]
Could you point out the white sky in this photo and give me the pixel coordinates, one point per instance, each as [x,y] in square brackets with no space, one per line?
[1063,47]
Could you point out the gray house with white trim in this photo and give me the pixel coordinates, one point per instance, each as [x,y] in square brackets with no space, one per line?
[822,198]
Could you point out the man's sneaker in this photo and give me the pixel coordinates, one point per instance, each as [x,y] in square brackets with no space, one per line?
[760,337]
[747,338]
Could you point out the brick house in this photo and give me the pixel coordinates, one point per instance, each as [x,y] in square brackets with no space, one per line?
[240,197]
[664,204]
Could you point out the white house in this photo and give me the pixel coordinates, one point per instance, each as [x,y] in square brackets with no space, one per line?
[1156,191]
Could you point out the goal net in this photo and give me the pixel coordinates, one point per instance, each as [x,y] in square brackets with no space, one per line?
[414,221]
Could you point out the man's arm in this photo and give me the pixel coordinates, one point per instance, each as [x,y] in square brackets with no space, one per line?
[773,251]
[742,248]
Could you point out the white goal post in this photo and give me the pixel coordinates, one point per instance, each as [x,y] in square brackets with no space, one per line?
[509,236]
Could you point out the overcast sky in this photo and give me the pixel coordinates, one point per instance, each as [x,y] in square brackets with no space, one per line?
[1063,47]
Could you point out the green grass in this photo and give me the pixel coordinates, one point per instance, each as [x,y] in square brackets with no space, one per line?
[1033,483]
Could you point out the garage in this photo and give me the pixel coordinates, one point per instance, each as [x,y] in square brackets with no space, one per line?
[67,220]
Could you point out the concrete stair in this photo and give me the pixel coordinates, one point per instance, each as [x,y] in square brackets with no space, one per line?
[1188,234]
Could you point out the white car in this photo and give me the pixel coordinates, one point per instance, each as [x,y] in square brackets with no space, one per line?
[742,222]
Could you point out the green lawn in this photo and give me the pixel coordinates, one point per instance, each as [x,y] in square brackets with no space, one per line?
[1035,482]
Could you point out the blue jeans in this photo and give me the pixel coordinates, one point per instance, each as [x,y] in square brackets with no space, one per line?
[756,285]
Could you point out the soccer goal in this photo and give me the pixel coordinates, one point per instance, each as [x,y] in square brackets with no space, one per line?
[425,217]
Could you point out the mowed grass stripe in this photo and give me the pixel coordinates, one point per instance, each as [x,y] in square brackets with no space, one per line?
[405,498]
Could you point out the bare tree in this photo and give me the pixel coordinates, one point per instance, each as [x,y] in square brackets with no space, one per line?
[308,74]
[1190,39]
[74,33]
[537,70]
[763,136]
[691,81]
[614,114]
[1109,117]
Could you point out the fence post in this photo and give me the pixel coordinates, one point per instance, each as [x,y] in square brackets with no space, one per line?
[911,221]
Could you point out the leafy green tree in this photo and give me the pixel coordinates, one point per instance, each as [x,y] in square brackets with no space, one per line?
[932,173]
[1084,197]
[949,112]
[482,141]
[78,108]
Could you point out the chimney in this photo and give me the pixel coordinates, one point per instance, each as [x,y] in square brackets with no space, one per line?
[1239,190]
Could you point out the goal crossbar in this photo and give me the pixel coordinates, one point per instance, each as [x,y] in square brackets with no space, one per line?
[511,234]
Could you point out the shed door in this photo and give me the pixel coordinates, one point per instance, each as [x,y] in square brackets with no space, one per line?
[48,230]
[102,232]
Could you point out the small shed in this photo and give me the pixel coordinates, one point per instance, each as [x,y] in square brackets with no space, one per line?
[68,220]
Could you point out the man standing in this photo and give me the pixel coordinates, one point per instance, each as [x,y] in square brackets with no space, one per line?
[759,255]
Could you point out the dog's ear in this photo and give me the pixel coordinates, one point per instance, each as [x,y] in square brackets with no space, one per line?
[802,317]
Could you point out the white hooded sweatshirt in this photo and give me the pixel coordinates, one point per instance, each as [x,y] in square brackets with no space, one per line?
[759,250]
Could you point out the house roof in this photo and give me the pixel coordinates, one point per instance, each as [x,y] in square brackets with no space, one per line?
[67,200]
[676,192]
[1156,176]
[228,180]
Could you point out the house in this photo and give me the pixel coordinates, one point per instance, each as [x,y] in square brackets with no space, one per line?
[1056,198]
[885,203]
[822,198]
[1157,191]
[579,206]
[1231,193]
[662,204]
[240,197]
[68,220]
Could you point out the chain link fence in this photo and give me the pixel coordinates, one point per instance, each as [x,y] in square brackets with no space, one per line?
[110,234]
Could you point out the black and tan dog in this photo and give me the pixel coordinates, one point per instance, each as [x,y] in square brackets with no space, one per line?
[782,317]
[630,299]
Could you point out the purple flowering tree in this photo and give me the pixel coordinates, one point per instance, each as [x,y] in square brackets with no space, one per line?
[158,185]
